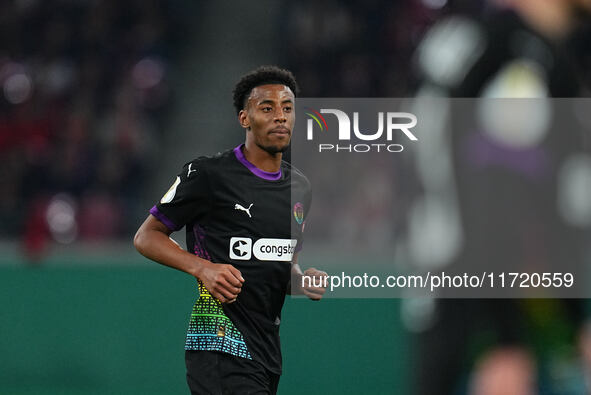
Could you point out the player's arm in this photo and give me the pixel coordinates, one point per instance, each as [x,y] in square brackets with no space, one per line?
[153,241]
[310,277]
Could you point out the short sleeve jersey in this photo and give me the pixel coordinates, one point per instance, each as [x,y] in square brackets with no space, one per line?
[238,214]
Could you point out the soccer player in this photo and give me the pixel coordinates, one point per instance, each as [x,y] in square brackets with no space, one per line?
[243,237]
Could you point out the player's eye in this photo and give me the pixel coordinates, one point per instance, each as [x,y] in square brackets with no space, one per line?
[287,109]
[267,109]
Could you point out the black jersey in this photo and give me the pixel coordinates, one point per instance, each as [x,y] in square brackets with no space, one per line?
[236,213]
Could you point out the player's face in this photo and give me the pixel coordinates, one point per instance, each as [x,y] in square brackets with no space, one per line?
[269,117]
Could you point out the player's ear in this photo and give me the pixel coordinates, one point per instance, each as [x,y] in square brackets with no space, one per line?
[243,119]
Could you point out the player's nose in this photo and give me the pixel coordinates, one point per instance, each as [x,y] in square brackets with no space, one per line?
[280,115]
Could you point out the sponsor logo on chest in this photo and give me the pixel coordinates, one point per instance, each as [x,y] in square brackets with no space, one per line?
[243,248]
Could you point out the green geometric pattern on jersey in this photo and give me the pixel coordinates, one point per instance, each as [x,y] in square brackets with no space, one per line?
[211,330]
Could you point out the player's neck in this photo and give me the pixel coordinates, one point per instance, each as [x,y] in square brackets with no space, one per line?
[262,159]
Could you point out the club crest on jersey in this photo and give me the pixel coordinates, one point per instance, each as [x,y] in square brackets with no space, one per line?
[298,212]
[240,248]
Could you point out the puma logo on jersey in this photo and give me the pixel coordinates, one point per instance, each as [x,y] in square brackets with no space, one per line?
[190,170]
[246,210]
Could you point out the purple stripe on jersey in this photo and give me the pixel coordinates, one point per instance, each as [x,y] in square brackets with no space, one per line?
[255,170]
[199,249]
[162,218]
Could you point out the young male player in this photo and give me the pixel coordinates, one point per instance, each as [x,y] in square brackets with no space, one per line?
[244,212]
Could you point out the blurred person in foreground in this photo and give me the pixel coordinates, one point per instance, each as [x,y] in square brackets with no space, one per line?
[500,194]
[244,237]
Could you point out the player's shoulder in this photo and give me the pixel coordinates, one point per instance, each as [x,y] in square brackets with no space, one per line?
[294,171]
[296,175]
[210,163]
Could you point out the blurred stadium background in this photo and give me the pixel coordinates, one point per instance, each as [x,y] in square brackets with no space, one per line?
[101,103]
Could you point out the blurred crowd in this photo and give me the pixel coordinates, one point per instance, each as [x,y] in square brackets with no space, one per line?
[356,48]
[84,94]
[352,48]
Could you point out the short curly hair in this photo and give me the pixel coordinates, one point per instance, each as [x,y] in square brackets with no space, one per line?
[263,75]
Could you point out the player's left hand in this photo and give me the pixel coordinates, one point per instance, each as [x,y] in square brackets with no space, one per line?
[318,277]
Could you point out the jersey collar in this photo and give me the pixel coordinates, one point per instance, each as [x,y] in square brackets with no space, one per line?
[253,169]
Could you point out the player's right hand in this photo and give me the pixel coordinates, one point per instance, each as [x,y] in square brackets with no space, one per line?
[223,281]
